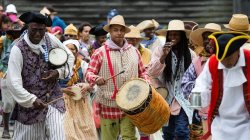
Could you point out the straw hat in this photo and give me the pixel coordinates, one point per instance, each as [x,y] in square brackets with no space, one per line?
[238,22]
[45,11]
[190,25]
[117,20]
[134,33]
[173,25]
[196,35]
[147,24]
[70,30]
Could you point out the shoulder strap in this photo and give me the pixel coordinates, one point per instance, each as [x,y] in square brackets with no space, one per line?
[111,70]
[246,85]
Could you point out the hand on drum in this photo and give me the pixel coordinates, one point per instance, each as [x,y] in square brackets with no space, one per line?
[100,81]
[84,87]
[50,75]
[68,91]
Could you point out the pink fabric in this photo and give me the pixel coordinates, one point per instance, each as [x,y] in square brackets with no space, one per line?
[155,67]
[175,108]
[13,17]
[197,61]
[55,29]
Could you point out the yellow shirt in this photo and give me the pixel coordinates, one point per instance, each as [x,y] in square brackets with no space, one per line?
[145,55]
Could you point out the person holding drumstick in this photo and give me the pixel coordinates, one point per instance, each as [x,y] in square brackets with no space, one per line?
[169,63]
[78,120]
[112,58]
[33,84]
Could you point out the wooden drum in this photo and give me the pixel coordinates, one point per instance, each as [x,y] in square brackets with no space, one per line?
[145,107]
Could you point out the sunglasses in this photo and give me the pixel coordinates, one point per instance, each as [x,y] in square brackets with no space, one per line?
[69,35]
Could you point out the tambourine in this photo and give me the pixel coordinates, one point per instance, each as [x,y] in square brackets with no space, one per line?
[57,57]
[77,93]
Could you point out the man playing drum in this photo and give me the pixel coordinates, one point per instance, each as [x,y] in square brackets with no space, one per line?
[115,56]
[33,83]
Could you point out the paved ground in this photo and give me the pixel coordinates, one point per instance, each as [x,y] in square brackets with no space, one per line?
[1,130]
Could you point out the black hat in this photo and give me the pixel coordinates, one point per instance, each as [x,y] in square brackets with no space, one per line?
[98,31]
[30,17]
[228,42]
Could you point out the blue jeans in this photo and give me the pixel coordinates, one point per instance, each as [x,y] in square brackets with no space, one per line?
[177,127]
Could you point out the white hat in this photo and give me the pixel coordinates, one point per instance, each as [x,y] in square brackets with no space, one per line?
[45,11]
[174,25]
[11,8]
[72,41]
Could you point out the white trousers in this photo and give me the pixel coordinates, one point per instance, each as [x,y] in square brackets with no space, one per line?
[51,129]
[7,99]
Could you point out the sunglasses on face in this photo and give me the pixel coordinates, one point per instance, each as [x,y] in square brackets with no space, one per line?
[69,35]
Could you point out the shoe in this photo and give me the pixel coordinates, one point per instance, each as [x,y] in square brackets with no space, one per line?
[6,134]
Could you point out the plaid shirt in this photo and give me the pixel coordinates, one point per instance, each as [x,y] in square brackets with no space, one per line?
[92,74]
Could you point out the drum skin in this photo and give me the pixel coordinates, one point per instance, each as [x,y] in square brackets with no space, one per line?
[160,87]
[153,117]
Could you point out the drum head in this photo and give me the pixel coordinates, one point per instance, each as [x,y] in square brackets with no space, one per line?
[163,91]
[57,56]
[77,91]
[132,94]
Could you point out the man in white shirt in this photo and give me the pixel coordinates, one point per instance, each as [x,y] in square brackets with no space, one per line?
[33,82]
[224,86]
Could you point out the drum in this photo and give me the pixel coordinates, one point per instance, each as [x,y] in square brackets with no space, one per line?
[145,107]
[77,93]
[57,57]
[160,87]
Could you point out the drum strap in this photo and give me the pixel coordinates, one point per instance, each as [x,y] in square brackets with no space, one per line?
[111,70]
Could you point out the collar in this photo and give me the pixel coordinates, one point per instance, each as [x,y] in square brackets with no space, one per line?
[241,62]
[112,46]
[35,46]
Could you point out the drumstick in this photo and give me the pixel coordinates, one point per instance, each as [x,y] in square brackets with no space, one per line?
[54,100]
[115,75]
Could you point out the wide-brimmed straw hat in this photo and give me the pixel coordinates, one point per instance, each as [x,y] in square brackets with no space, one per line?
[117,20]
[190,25]
[173,25]
[238,22]
[196,35]
[134,33]
[147,24]
[45,11]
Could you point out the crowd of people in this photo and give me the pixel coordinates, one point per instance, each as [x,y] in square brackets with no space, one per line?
[75,100]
